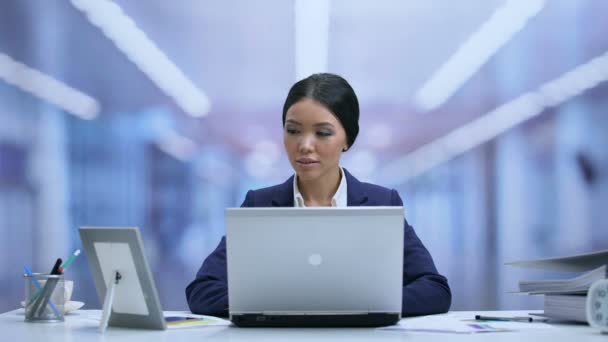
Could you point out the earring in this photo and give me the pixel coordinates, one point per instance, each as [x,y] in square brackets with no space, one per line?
[344,149]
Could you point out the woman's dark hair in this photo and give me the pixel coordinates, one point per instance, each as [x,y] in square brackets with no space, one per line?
[333,92]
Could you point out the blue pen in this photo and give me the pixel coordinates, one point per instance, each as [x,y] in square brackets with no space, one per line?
[28,271]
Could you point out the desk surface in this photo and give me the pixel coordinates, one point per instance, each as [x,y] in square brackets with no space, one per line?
[82,326]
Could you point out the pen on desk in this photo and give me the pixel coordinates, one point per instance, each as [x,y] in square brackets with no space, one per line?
[504,319]
[69,262]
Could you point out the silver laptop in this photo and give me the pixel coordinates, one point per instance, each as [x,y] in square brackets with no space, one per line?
[315,266]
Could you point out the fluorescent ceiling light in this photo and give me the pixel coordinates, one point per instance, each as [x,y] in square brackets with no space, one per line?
[142,51]
[501,119]
[311,36]
[176,145]
[476,51]
[47,88]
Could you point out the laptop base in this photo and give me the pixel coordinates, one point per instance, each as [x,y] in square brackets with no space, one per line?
[325,321]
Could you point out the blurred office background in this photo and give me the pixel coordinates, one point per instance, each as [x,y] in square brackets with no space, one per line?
[489,117]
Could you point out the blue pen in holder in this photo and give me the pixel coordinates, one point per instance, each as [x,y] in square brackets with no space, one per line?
[44,297]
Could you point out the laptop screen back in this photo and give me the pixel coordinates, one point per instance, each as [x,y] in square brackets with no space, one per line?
[315,260]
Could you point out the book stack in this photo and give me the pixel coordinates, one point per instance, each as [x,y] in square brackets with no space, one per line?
[566,299]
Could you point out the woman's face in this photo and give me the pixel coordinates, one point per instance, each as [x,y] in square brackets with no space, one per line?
[314,139]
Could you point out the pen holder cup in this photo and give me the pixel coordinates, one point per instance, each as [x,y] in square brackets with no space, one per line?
[44,297]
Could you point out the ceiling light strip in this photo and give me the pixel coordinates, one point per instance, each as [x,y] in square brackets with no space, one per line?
[496,122]
[47,88]
[142,51]
[176,145]
[504,23]
[311,36]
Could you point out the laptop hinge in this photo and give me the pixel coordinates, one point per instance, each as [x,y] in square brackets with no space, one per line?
[315,313]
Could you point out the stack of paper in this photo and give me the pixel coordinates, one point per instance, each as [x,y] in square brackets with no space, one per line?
[565,299]
[576,285]
[566,307]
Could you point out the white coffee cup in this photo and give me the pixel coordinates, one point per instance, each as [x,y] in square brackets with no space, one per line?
[68,288]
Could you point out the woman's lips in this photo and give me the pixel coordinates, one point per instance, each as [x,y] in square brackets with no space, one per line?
[306,162]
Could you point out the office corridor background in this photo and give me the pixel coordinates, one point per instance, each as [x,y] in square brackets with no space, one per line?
[489,117]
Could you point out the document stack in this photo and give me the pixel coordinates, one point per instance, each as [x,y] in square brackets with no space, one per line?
[566,299]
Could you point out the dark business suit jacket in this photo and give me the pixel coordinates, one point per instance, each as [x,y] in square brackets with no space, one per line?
[424,290]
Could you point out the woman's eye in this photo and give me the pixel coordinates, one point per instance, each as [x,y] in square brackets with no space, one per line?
[291,131]
[324,134]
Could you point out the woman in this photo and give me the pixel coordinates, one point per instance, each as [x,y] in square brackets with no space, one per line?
[321,121]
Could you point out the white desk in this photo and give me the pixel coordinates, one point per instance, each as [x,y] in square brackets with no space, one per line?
[81,327]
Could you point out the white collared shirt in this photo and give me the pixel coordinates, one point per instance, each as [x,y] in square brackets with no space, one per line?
[339,199]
